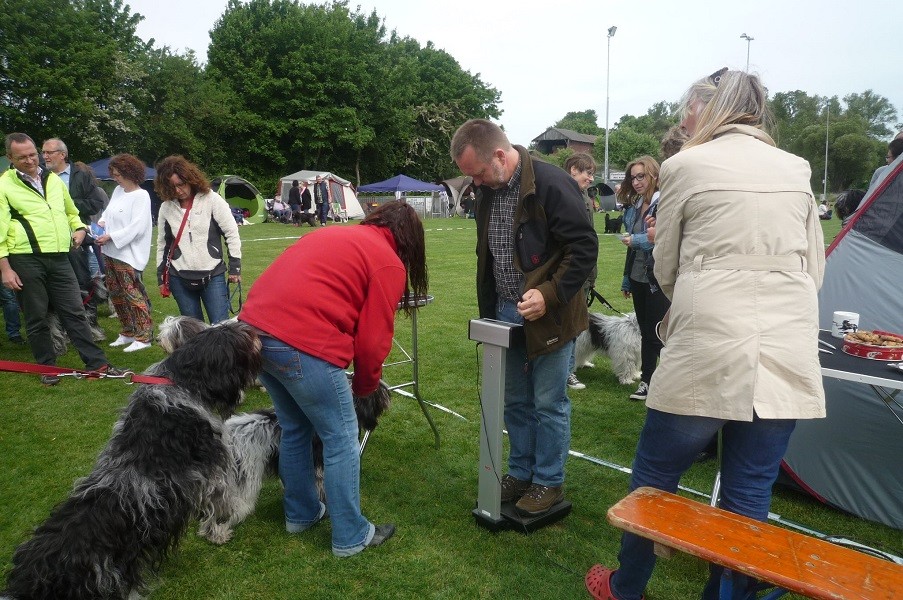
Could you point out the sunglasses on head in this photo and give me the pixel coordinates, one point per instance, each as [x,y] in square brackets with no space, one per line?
[717,75]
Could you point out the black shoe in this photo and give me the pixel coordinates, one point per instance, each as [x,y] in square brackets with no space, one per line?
[382,533]
[50,379]
[641,391]
[513,488]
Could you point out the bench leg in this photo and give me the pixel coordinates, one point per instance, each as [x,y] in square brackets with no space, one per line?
[726,589]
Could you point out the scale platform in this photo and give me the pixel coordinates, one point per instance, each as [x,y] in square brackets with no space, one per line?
[512,519]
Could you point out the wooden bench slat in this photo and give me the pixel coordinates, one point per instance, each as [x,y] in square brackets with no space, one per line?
[793,561]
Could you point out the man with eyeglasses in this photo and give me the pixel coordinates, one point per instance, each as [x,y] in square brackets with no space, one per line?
[84,193]
[38,225]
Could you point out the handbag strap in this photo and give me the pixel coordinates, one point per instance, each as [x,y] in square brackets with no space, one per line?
[175,243]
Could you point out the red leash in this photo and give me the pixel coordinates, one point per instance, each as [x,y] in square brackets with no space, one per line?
[128,377]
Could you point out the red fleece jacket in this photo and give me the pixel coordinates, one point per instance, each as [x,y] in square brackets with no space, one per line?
[333,295]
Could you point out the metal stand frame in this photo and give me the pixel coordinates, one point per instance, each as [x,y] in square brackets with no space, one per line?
[411,358]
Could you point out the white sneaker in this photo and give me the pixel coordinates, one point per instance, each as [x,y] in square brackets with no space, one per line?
[136,345]
[574,383]
[122,340]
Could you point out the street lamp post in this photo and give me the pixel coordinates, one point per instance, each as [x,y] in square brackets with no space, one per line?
[824,193]
[748,39]
[611,34]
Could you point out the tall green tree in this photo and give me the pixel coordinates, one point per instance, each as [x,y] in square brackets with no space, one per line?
[585,121]
[69,69]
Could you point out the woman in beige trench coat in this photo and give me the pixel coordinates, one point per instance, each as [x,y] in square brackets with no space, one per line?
[739,251]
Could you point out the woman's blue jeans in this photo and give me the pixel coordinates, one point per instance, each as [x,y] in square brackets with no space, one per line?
[537,409]
[215,296]
[750,456]
[311,395]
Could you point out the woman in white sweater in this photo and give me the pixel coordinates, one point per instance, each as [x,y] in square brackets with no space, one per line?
[126,249]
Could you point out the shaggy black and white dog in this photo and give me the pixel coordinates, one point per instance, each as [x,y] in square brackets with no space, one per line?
[167,463]
[254,438]
[619,338]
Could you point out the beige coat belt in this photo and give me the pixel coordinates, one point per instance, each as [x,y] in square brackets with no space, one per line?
[746,262]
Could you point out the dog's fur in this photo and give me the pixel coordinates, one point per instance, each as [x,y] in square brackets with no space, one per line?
[619,338]
[255,437]
[167,463]
[613,225]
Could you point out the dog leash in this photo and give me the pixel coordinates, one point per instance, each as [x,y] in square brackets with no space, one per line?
[233,291]
[128,377]
[594,295]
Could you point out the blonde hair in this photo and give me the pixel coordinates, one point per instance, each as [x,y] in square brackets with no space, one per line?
[728,97]
[627,195]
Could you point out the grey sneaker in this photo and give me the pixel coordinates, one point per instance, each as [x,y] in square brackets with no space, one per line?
[574,383]
[640,393]
[50,379]
[513,488]
[539,499]
[382,533]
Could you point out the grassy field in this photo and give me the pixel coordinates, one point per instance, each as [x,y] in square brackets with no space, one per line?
[51,436]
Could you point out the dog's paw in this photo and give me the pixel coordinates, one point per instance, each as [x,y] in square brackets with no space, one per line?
[216,533]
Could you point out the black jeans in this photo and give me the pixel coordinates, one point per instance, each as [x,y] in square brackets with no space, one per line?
[650,307]
[49,282]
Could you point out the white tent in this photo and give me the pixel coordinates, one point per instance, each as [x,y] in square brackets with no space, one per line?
[339,189]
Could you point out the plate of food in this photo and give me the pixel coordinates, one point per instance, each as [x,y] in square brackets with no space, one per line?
[874,345]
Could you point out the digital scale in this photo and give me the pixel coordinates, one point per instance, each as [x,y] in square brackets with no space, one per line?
[497,337]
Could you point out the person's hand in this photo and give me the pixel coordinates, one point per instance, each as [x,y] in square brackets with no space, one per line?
[626,293]
[78,237]
[532,305]
[11,280]
[102,239]
[626,240]
[234,278]
[650,234]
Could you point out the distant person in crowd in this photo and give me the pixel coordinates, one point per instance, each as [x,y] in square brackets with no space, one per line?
[95,260]
[894,149]
[192,224]
[11,316]
[468,202]
[281,211]
[672,142]
[34,255]
[321,199]
[83,190]
[126,243]
[294,200]
[582,167]
[847,203]
[376,265]
[640,194]
[531,272]
[736,361]
[823,211]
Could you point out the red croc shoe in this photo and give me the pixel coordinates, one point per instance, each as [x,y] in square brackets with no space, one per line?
[598,583]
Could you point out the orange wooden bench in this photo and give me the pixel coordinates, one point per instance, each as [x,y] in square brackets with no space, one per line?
[792,561]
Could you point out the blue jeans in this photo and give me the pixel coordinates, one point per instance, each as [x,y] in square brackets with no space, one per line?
[10,312]
[312,395]
[215,297]
[537,409]
[668,445]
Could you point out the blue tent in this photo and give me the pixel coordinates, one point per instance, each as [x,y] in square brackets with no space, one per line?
[102,170]
[400,183]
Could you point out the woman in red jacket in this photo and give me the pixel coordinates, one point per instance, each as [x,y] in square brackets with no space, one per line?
[315,322]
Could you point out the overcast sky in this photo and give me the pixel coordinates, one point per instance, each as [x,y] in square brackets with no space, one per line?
[549,57]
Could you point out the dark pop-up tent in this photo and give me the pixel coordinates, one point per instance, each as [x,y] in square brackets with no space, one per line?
[400,183]
[240,193]
[102,170]
[852,458]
